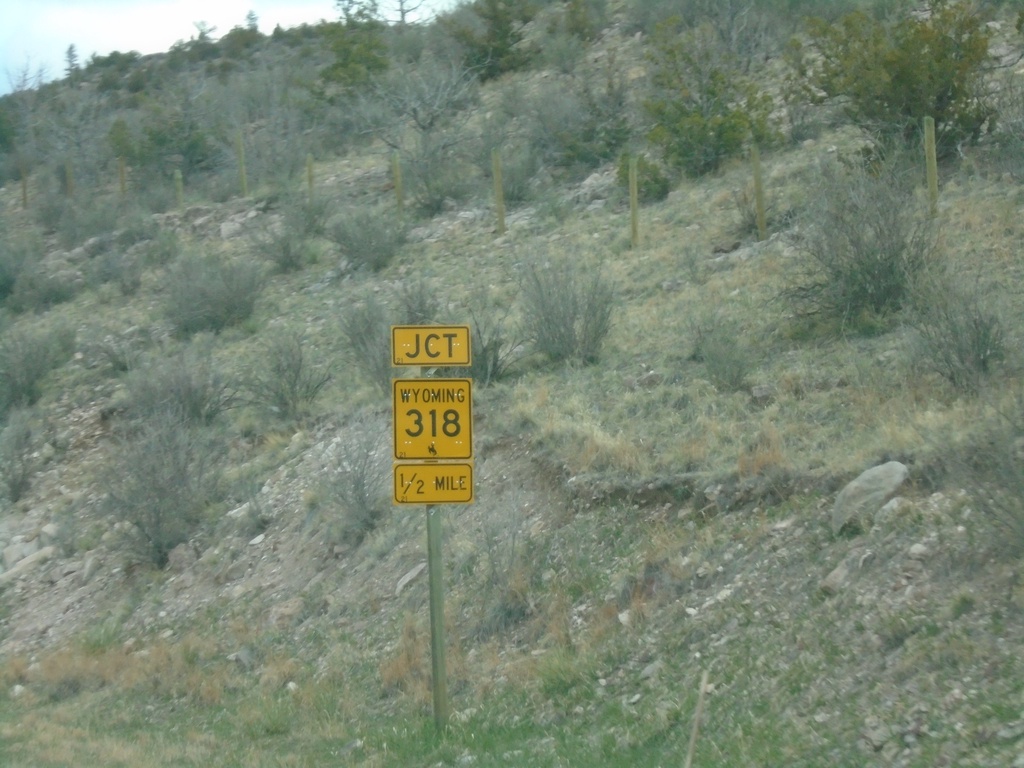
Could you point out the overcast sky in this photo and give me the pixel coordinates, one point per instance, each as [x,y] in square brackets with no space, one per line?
[37,33]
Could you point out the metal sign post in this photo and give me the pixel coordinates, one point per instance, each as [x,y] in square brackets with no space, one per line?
[433,426]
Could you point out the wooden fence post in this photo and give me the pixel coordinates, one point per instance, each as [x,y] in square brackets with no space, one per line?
[634,202]
[759,210]
[499,189]
[179,189]
[931,166]
[243,178]
[396,177]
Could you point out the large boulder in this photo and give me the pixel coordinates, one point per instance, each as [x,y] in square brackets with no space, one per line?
[865,495]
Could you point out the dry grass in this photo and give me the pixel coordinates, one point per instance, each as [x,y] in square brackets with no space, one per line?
[408,668]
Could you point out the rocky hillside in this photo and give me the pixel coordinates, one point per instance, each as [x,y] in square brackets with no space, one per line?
[821,513]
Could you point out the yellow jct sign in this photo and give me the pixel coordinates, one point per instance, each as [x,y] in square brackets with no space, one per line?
[430,345]
[433,483]
[433,418]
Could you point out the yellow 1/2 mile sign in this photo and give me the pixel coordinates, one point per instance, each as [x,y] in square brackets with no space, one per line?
[422,483]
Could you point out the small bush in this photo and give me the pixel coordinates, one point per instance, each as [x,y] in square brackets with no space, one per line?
[14,254]
[437,171]
[80,221]
[962,337]
[36,289]
[491,35]
[355,478]
[1008,153]
[890,76]
[991,470]
[286,248]
[16,447]
[26,357]
[419,302]
[366,329]
[703,110]
[864,239]
[369,238]
[581,126]
[652,183]
[288,382]
[122,352]
[162,249]
[163,477]
[567,309]
[188,386]
[493,343]
[116,267]
[719,345]
[206,293]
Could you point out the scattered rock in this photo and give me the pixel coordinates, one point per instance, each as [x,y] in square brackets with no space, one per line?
[89,568]
[729,247]
[919,551]
[597,185]
[762,395]
[180,558]
[405,580]
[230,229]
[865,495]
[836,580]
[875,734]
[652,670]
[27,564]
[285,614]
[244,658]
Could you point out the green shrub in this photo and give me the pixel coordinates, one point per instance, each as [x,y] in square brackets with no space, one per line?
[162,478]
[187,385]
[354,481]
[162,249]
[116,267]
[491,35]
[366,329]
[206,293]
[989,469]
[863,238]
[288,381]
[284,245]
[16,460]
[357,43]
[703,110]
[962,336]
[26,357]
[368,237]
[419,302]
[14,254]
[652,183]
[727,358]
[492,338]
[579,126]
[37,289]
[436,170]
[567,309]
[890,76]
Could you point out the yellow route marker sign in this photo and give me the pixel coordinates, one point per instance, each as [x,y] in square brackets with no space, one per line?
[430,345]
[446,483]
[433,418]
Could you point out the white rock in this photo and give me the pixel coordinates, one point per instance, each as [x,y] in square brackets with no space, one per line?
[918,551]
[865,495]
[408,577]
